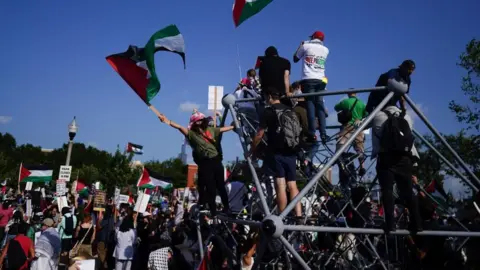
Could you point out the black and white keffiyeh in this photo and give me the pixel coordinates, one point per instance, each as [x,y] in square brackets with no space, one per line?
[158,260]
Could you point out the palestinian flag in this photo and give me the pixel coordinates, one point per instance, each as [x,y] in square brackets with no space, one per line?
[134,148]
[37,174]
[150,179]
[137,65]
[244,9]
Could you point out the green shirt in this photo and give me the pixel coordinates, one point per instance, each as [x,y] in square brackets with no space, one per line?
[203,147]
[358,113]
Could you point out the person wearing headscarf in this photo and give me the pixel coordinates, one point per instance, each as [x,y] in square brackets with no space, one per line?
[207,153]
[47,247]
[126,236]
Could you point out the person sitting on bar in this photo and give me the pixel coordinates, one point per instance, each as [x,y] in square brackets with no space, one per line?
[392,145]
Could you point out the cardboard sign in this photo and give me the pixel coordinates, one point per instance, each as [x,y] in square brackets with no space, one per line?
[215,95]
[142,203]
[99,201]
[29,186]
[122,199]
[62,202]
[65,173]
[61,187]
[29,208]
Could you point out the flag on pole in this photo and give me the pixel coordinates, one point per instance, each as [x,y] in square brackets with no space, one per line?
[137,65]
[34,173]
[134,148]
[244,9]
[150,179]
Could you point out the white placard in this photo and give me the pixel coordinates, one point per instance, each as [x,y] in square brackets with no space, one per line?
[29,186]
[29,208]
[62,202]
[122,199]
[211,97]
[65,173]
[73,189]
[61,187]
[116,194]
[142,202]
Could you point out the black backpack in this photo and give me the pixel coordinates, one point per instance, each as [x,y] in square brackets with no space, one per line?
[288,129]
[69,227]
[16,255]
[397,135]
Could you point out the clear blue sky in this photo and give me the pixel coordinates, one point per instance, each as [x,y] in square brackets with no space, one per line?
[54,68]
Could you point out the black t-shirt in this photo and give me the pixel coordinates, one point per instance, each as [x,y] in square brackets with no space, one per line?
[269,122]
[376,97]
[271,73]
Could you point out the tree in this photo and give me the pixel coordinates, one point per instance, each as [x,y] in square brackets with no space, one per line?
[172,168]
[469,114]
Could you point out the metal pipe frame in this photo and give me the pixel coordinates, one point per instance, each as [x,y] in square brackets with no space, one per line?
[323,93]
[445,160]
[297,228]
[440,137]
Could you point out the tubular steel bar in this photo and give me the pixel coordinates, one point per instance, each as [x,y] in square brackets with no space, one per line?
[377,231]
[254,224]
[448,163]
[323,93]
[332,161]
[263,201]
[445,160]
[295,254]
[440,137]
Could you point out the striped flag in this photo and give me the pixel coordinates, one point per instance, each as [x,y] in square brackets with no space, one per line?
[134,148]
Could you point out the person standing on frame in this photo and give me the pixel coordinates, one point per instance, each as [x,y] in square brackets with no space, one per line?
[207,154]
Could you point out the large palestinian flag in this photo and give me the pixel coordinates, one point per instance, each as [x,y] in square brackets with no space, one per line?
[137,65]
[32,173]
[150,179]
[244,9]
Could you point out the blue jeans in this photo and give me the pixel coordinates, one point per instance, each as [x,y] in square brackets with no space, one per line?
[315,105]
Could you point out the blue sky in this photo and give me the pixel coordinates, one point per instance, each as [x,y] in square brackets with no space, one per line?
[54,68]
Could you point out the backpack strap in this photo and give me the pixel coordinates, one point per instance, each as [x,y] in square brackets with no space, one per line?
[353,106]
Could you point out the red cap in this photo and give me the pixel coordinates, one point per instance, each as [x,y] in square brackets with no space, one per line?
[318,35]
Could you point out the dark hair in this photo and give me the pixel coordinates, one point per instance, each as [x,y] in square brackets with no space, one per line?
[273,93]
[22,228]
[271,51]
[18,217]
[296,85]
[250,71]
[127,224]
[65,210]
[408,64]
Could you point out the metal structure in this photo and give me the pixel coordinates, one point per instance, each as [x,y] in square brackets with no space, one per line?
[273,226]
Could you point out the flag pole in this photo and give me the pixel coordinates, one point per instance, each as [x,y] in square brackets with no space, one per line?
[19,175]
[215,108]
[238,62]
[151,107]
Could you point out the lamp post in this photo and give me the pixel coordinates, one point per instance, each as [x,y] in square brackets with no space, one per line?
[72,131]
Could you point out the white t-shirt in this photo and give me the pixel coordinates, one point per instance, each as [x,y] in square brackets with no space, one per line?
[314,55]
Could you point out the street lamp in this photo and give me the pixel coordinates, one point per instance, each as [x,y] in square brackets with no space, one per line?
[72,131]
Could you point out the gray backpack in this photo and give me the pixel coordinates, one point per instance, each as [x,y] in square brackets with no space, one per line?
[288,129]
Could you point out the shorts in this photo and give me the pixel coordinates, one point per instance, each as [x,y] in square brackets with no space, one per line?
[283,166]
[66,244]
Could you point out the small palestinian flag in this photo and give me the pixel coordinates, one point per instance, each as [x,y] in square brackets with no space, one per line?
[244,9]
[150,179]
[37,174]
[134,148]
[137,65]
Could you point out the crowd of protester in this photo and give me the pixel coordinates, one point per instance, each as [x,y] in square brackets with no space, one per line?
[281,131]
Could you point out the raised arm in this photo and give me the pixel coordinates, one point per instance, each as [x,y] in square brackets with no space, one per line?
[225,129]
[164,119]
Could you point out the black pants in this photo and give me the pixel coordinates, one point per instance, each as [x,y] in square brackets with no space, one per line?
[211,178]
[397,169]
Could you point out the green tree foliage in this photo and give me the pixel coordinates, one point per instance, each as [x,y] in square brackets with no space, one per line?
[466,142]
[89,164]
[469,113]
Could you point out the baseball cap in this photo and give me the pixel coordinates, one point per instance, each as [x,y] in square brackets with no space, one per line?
[48,222]
[318,35]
